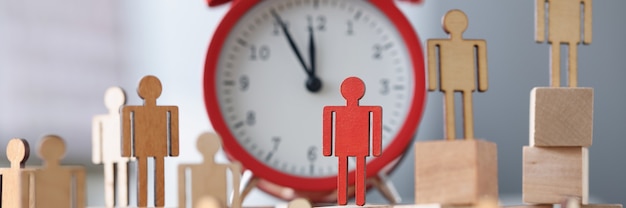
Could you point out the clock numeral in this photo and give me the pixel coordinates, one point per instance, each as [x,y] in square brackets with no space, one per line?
[275,143]
[244,83]
[262,53]
[378,51]
[312,154]
[277,29]
[350,27]
[319,22]
[250,118]
[385,86]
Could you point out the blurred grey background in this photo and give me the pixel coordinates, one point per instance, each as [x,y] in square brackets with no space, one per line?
[58,57]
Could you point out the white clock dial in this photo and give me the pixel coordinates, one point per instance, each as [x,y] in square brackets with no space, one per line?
[261,83]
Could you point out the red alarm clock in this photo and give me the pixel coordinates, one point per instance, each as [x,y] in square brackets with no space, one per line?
[273,64]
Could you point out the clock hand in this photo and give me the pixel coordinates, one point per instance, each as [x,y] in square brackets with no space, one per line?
[313,84]
[294,48]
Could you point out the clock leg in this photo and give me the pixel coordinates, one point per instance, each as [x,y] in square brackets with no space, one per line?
[386,187]
[249,185]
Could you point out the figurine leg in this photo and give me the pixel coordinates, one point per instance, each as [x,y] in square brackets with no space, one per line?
[360,180]
[449,114]
[342,182]
[555,62]
[468,114]
[122,183]
[109,184]
[142,182]
[159,182]
[573,64]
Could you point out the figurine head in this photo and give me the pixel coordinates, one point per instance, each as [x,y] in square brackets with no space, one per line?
[455,22]
[352,89]
[114,98]
[51,149]
[299,203]
[208,144]
[209,202]
[149,88]
[18,151]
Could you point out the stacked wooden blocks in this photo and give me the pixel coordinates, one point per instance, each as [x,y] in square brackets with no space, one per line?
[556,163]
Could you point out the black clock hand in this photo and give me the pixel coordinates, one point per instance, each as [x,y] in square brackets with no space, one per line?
[294,48]
[313,83]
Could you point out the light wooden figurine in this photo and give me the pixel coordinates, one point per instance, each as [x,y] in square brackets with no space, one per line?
[14,183]
[148,129]
[208,178]
[351,134]
[106,148]
[299,203]
[56,185]
[456,172]
[564,27]
[458,58]
[209,202]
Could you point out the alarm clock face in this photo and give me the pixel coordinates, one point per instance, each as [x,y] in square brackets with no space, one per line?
[257,93]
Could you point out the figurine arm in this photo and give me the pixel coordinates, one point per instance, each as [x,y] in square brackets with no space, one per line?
[235,169]
[377,130]
[587,21]
[540,20]
[182,180]
[126,131]
[432,64]
[481,47]
[96,140]
[327,131]
[174,131]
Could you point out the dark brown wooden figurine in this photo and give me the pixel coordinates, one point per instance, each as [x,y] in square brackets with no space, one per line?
[149,128]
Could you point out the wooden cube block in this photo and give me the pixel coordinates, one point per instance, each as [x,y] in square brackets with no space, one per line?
[550,174]
[455,172]
[561,117]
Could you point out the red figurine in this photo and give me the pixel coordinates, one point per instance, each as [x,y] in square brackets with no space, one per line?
[352,136]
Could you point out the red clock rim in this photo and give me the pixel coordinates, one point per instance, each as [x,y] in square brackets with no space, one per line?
[394,150]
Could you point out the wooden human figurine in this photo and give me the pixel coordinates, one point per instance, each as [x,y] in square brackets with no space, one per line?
[106,148]
[458,58]
[352,136]
[14,184]
[209,202]
[56,185]
[299,203]
[148,129]
[564,22]
[208,179]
